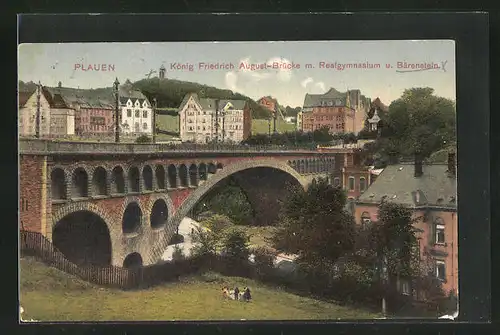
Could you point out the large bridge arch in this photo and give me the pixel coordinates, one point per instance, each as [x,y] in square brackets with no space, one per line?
[74,210]
[228,171]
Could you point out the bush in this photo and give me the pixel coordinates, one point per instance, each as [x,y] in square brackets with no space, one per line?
[217,223]
[178,254]
[212,277]
[143,139]
[264,262]
[264,257]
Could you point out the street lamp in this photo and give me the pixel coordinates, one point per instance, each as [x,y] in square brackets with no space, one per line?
[37,125]
[154,119]
[117,112]
[223,125]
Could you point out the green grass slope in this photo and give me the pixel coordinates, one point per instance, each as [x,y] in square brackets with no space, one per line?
[47,294]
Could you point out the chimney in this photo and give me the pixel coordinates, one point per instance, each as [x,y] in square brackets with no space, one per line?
[59,84]
[452,168]
[418,165]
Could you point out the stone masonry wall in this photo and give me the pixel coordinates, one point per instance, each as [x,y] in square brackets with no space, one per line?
[33,189]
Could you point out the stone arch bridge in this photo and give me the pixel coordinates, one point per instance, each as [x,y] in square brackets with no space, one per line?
[107,203]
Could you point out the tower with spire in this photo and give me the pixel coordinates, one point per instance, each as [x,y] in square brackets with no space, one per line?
[161,73]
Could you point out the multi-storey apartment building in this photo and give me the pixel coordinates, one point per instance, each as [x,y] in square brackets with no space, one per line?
[431,192]
[203,120]
[340,112]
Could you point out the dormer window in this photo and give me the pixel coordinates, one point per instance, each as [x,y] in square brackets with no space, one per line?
[338,102]
[129,103]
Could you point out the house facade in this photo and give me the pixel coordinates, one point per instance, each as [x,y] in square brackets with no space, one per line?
[28,105]
[204,120]
[431,192]
[136,112]
[91,112]
[340,112]
[93,109]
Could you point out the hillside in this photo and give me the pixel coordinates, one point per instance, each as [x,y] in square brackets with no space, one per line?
[47,294]
[170,92]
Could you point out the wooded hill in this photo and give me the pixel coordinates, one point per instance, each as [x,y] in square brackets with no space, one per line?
[170,92]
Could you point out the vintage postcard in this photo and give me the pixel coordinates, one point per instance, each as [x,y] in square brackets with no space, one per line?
[289,180]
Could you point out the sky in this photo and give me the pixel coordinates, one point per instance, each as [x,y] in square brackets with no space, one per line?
[305,66]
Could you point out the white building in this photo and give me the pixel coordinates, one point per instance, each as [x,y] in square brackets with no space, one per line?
[136,112]
[205,120]
[28,105]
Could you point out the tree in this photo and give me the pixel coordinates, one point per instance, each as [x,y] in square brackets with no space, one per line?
[235,244]
[205,242]
[217,223]
[315,224]
[395,240]
[421,121]
[229,202]
[322,135]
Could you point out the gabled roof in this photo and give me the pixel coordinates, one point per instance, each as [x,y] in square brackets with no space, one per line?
[23,97]
[332,95]
[66,97]
[237,104]
[397,183]
[210,103]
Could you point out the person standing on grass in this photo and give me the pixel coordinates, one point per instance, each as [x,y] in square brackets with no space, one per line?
[236,293]
[246,295]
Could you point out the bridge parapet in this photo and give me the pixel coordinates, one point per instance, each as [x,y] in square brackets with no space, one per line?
[36,146]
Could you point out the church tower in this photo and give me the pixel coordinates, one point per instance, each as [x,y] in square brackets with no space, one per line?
[161,74]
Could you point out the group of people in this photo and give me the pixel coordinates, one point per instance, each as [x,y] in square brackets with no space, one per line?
[236,294]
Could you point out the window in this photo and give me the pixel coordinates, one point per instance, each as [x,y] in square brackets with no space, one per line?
[440,270]
[362,184]
[137,127]
[351,184]
[137,113]
[145,114]
[365,219]
[336,182]
[24,205]
[145,126]
[439,234]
